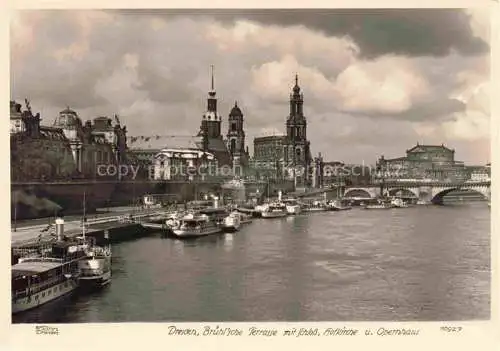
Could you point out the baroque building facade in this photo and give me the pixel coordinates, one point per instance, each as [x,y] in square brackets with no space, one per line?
[68,150]
[436,162]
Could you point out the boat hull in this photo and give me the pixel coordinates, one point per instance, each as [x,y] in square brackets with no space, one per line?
[44,296]
[378,207]
[189,234]
[274,214]
[230,228]
[94,282]
[293,210]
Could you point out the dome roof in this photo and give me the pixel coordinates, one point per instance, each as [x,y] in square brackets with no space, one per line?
[67,110]
[235,111]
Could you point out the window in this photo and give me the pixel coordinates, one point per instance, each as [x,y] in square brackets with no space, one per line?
[233,145]
[297,152]
[233,127]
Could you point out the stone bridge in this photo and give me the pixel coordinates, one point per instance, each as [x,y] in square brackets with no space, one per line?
[432,192]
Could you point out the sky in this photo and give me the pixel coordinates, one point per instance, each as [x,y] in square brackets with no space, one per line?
[375,82]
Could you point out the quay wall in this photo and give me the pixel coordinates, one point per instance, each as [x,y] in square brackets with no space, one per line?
[43,199]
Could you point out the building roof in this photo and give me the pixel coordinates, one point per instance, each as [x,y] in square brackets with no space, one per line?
[52,133]
[235,111]
[184,153]
[160,142]
[214,144]
[269,138]
[219,149]
[396,159]
[427,148]
[68,110]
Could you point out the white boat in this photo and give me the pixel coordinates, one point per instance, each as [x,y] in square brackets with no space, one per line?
[337,205]
[292,207]
[95,268]
[196,225]
[398,203]
[316,206]
[232,222]
[245,217]
[274,210]
[380,205]
[259,209]
[422,202]
[38,280]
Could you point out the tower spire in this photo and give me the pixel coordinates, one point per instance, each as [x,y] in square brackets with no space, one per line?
[212,73]
[296,79]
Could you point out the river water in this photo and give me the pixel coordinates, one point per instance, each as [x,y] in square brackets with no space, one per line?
[425,263]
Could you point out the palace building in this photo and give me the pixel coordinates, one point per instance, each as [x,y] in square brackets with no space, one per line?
[67,150]
[423,161]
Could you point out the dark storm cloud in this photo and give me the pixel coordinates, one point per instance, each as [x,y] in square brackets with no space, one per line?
[411,32]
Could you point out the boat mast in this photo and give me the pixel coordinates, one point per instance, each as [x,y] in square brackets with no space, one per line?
[15,211]
[83,219]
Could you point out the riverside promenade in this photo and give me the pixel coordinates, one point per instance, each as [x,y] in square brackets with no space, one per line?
[28,231]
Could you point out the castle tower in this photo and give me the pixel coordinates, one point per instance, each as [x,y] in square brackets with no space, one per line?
[298,153]
[236,137]
[211,121]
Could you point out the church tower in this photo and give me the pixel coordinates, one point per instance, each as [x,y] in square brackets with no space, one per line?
[211,121]
[236,138]
[298,151]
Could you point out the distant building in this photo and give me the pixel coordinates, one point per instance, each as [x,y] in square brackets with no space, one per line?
[297,149]
[423,162]
[186,163]
[68,150]
[479,173]
[208,148]
[211,131]
[236,141]
[92,145]
[287,156]
[269,157]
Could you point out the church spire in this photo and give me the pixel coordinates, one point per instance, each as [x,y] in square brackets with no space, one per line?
[212,87]
[296,88]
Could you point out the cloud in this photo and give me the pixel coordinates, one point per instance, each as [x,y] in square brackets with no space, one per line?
[362,97]
[411,32]
[387,85]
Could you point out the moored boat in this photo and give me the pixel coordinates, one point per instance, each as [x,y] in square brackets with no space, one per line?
[380,205]
[259,209]
[274,210]
[95,268]
[316,206]
[196,225]
[232,222]
[38,280]
[292,207]
[398,203]
[337,205]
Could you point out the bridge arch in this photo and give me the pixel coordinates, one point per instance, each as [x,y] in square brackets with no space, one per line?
[358,192]
[437,198]
[403,192]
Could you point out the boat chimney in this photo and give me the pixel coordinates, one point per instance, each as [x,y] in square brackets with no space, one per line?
[279,195]
[59,228]
[216,202]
